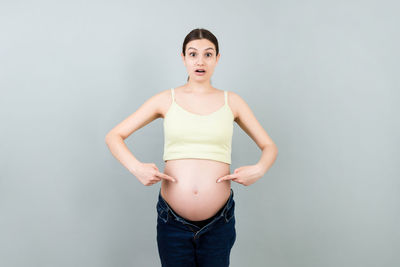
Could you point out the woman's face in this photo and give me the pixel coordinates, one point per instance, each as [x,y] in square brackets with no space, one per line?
[200,54]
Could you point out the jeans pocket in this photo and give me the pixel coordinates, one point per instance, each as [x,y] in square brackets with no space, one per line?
[162,213]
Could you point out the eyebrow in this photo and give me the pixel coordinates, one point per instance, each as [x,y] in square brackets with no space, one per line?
[204,49]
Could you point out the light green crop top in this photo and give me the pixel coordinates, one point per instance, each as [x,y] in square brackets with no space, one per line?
[190,135]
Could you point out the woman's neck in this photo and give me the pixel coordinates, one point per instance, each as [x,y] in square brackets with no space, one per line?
[200,88]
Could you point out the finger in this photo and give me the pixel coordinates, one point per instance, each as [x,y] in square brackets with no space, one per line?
[165,176]
[227,177]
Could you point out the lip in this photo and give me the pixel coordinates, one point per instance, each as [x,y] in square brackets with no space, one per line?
[200,73]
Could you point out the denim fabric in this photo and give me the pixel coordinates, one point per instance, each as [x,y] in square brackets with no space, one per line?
[181,243]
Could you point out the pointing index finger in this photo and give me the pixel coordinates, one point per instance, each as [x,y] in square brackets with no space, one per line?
[227,177]
[222,178]
[167,177]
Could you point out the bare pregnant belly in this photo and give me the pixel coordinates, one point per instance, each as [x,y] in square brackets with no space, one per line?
[196,195]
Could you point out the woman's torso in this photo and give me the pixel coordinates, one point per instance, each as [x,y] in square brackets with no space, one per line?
[196,195]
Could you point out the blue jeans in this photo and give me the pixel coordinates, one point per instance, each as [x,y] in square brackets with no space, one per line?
[181,243]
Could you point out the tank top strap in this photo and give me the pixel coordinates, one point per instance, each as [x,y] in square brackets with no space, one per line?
[173,94]
[226,97]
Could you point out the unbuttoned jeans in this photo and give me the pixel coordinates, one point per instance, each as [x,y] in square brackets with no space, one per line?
[182,244]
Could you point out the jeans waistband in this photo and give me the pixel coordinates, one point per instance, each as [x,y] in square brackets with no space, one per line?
[166,207]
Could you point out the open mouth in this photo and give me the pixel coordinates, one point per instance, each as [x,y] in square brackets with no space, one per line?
[200,72]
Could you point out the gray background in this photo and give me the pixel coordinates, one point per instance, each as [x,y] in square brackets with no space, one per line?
[320,76]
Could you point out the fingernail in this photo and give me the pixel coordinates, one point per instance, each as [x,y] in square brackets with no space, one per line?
[219,180]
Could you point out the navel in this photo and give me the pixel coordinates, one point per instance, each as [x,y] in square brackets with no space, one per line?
[195,190]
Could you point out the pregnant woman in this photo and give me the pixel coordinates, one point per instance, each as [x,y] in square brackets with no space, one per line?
[196,219]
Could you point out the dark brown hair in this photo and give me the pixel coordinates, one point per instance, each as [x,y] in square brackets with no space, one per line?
[200,33]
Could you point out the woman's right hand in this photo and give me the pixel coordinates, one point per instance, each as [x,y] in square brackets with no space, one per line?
[148,174]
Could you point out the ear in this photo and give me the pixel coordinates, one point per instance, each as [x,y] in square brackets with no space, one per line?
[183,57]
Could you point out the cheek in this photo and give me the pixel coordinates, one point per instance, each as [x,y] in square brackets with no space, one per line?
[189,64]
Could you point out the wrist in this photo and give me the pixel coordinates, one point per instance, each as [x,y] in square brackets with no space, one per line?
[261,168]
[134,167]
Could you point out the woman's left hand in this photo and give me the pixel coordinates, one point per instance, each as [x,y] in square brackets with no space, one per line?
[245,175]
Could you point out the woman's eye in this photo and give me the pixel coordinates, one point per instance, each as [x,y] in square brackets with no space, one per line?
[208,54]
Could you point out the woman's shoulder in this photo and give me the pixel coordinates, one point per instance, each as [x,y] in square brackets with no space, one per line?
[238,104]
[163,100]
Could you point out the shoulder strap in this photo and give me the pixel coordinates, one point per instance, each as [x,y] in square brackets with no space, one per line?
[173,94]
[226,97]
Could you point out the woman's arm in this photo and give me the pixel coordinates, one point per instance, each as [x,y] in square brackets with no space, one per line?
[121,152]
[248,122]
[149,111]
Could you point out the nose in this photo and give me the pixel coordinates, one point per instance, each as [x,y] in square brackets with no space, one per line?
[200,60]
